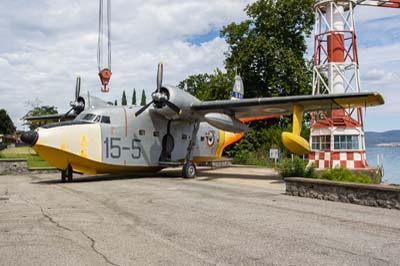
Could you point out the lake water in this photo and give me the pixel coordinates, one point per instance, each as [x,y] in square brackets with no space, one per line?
[391,162]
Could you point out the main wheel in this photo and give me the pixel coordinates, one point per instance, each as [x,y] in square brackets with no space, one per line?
[189,170]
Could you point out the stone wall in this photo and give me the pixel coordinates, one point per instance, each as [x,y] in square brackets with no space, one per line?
[13,166]
[364,194]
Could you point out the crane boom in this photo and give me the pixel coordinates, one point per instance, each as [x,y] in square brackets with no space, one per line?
[104,39]
[380,3]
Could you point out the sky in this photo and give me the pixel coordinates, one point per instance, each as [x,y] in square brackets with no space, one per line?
[46,44]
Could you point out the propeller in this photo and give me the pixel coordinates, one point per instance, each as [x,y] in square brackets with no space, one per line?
[160,97]
[78,105]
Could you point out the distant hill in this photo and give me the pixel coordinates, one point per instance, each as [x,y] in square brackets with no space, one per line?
[373,138]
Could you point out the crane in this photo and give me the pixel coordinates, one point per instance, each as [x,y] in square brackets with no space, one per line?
[104,39]
[381,3]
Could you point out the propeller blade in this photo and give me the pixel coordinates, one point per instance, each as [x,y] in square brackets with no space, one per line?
[77,88]
[159,76]
[141,110]
[175,108]
[67,113]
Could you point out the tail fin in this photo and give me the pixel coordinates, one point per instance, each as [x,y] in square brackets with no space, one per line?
[238,89]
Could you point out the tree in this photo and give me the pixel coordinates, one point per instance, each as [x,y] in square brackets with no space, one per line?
[38,111]
[207,87]
[115,103]
[143,100]
[7,126]
[123,100]
[268,48]
[134,97]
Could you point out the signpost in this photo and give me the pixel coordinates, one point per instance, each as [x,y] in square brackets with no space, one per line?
[274,154]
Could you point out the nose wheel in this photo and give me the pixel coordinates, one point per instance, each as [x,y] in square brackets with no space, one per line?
[67,174]
[189,170]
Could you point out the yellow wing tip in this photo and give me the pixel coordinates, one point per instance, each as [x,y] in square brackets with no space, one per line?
[371,99]
[379,97]
[295,143]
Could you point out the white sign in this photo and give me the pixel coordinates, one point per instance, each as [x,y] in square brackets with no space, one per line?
[273,153]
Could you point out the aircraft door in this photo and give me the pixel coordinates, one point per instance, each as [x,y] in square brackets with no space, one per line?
[168,144]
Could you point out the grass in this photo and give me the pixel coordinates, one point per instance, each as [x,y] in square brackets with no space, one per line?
[299,168]
[342,174]
[33,160]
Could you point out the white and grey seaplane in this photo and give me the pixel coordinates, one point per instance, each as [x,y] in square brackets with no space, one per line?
[174,129]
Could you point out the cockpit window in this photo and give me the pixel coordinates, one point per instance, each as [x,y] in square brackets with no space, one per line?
[105,119]
[94,118]
[88,117]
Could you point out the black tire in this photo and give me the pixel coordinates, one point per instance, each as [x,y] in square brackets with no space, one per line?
[189,170]
[69,173]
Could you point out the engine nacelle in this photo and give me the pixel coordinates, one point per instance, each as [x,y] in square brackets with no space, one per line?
[88,102]
[180,98]
[226,122]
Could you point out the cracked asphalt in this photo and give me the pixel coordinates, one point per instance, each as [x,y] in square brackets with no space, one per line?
[232,216]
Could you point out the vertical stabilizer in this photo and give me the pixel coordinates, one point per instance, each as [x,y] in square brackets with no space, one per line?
[238,89]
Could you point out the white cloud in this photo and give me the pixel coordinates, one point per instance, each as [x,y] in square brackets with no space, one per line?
[50,42]
[377,76]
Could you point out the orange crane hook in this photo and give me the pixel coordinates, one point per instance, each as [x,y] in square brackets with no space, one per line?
[105,75]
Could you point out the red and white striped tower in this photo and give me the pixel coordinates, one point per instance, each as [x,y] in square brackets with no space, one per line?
[337,137]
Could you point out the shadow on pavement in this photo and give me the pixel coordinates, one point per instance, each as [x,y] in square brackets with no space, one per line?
[204,174]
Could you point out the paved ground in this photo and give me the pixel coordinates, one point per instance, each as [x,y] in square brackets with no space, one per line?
[235,216]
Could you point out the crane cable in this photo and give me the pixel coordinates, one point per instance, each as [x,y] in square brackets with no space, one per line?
[104,24]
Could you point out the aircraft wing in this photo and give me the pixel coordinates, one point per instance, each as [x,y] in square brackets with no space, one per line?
[276,106]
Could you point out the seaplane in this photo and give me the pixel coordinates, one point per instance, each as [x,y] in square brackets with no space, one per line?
[175,129]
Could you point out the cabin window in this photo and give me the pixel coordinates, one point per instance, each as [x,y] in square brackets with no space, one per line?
[105,119]
[184,136]
[202,138]
[346,142]
[322,143]
[156,133]
[142,132]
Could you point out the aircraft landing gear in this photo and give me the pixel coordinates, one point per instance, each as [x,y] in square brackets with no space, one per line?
[189,170]
[67,174]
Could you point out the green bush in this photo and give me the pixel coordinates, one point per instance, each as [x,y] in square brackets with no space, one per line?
[296,168]
[252,158]
[342,174]
[241,157]
[256,142]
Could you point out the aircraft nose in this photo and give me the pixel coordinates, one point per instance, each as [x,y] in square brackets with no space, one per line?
[30,137]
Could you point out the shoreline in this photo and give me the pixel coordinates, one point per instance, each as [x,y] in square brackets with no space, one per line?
[389,144]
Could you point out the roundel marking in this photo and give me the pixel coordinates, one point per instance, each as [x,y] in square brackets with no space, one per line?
[210,138]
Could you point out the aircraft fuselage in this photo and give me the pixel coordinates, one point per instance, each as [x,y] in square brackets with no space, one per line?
[112,139]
